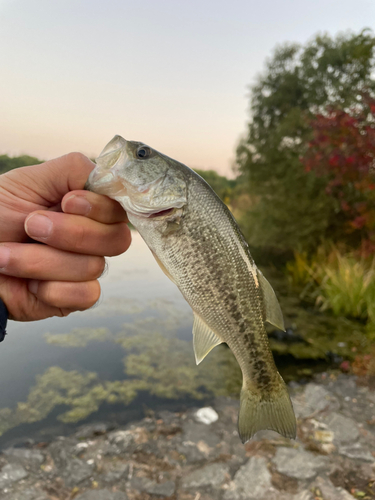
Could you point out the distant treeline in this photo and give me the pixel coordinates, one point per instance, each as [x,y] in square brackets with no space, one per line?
[7,163]
[223,187]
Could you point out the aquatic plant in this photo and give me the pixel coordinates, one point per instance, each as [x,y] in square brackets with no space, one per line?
[54,387]
[78,337]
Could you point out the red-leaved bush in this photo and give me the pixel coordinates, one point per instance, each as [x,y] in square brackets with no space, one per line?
[342,150]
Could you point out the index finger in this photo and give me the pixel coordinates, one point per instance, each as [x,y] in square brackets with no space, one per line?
[94,206]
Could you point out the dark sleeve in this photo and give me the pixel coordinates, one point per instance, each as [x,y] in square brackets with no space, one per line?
[3,320]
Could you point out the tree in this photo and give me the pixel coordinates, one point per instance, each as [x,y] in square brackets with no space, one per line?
[292,209]
[342,151]
[222,186]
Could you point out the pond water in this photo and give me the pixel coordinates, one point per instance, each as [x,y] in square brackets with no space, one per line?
[132,353]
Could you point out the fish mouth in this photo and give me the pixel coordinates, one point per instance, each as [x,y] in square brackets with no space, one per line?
[162,213]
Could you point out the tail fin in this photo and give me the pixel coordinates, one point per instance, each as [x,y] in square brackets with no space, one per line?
[267,410]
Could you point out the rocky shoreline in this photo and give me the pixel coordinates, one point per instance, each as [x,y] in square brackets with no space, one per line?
[178,457]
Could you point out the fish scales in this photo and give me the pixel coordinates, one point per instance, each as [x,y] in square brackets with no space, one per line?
[209,271]
[200,247]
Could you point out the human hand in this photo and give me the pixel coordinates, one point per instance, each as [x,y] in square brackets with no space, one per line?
[46,203]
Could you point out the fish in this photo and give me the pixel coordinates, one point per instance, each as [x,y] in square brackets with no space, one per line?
[200,247]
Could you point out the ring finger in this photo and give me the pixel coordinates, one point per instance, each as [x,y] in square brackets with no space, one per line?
[32,261]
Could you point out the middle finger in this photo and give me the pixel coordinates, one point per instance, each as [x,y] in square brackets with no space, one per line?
[75,233]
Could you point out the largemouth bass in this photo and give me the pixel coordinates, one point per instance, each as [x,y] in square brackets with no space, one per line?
[199,246]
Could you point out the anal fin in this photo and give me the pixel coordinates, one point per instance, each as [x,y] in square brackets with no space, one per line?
[204,339]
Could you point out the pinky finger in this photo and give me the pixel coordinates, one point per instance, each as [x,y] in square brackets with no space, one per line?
[65,295]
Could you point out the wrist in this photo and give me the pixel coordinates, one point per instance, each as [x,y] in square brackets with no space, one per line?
[3,320]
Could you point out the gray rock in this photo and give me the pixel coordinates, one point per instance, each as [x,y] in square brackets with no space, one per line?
[191,453]
[152,448]
[118,472]
[63,450]
[195,432]
[303,495]
[315,399]
[213,475]
[357,452]
[345,429]
[145,485]
[90,430]
[35,457]
[102,495]
[161,489]
[11,473]
[168,417]
[298,463]
[27,494]
[329,491]
[108,449]
[345,386]
[252,480]
[124,440]
[77,471]
[273,494]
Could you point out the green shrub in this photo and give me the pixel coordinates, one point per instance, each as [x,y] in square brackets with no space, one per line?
[336,281]
[348,287]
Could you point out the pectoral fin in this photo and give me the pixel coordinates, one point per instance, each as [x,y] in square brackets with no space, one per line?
[204,339]
[273,312]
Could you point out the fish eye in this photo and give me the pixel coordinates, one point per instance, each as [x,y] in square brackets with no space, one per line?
[143,152]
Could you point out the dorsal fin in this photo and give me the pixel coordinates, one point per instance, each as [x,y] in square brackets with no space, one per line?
[204,339]
[273,312]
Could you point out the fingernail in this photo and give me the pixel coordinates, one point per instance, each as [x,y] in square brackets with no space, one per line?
[33,286]
[38,226]
[80,205]
[4,256]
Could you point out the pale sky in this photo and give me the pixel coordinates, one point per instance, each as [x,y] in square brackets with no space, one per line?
[173,74]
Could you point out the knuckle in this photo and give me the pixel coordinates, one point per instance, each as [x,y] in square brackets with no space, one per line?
[79,238]
[77,164]
[76,158]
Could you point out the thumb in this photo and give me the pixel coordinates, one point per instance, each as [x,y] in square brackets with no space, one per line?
[51,180]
